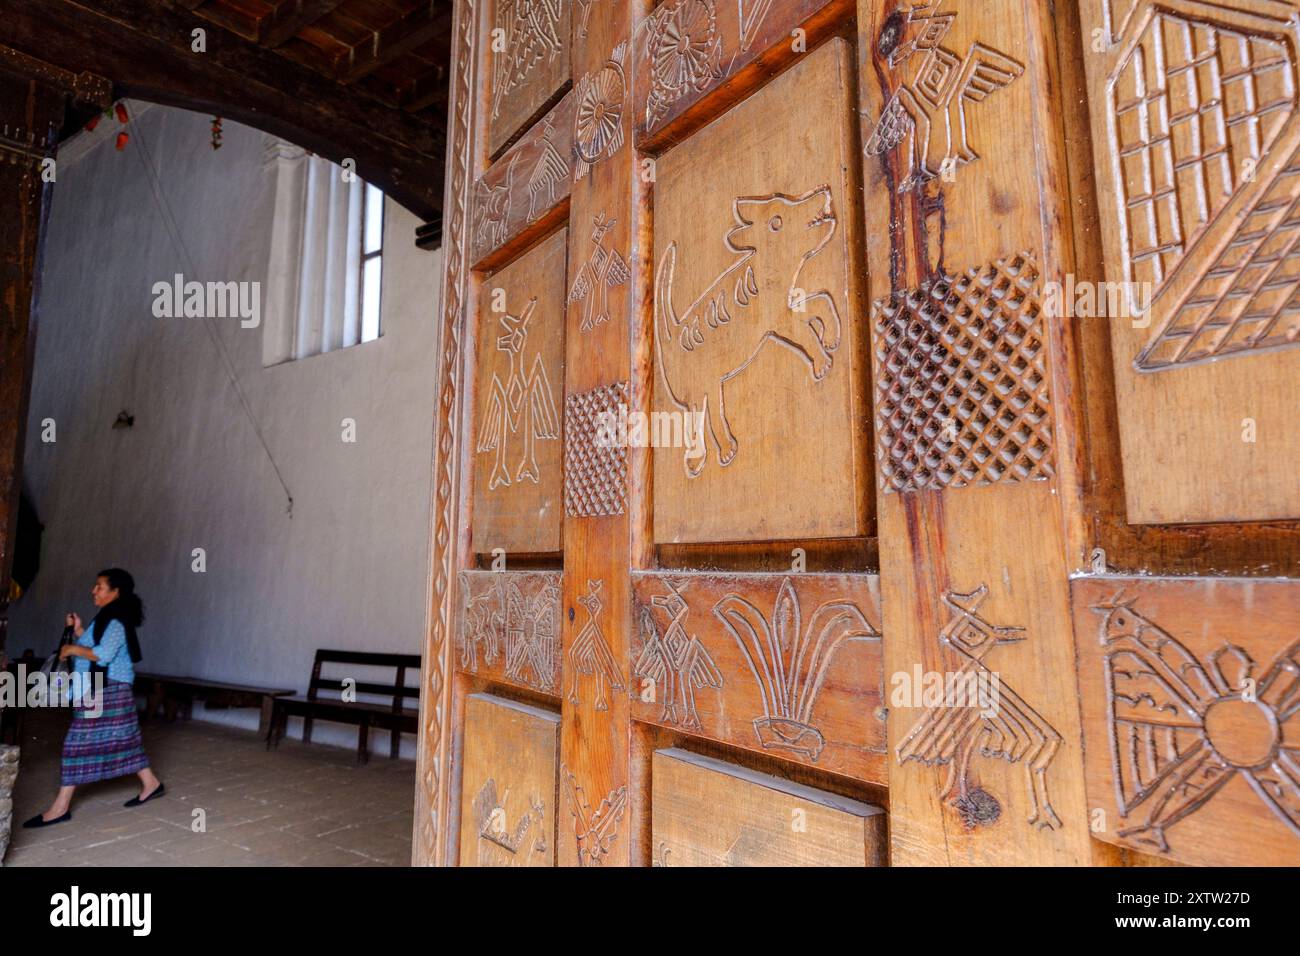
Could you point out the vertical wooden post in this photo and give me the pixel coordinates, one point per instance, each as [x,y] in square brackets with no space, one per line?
[976,408]
[594,737]
[30,115]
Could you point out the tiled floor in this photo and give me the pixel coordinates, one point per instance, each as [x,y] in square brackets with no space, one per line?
[301,805]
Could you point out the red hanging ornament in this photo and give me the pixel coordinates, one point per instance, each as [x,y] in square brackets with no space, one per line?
[120,109]
[216,132]
[122,139]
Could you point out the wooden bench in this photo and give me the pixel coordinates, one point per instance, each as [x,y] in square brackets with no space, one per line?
[396,718]
[175,694]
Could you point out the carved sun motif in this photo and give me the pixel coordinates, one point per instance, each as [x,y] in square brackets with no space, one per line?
[598,124]
[685,52]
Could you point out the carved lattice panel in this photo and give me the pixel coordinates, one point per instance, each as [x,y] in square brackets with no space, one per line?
[1191,706]
[507,804]
[1194,112]
[783,664]
[962,392]
[509,627]
[710,813]
[595,456]
[518,420]
[756,348]
[528,62]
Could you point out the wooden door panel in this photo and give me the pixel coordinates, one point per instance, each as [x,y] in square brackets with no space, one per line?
[711,813]
[688,49]
[1191,709]
[509,628]
[529,63]
[509,785]
[1194,106]
[756,287]
[963,174]
[523,194]
[787,665]
[517,422]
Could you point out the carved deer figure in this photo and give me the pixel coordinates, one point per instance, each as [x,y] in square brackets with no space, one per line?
[722,330]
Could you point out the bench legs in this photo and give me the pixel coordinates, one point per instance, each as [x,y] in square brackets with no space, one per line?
[394,743]
[264,722]
[363,741]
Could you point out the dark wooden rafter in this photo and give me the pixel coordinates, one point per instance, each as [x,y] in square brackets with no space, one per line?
[290,17]
[402,36]
[144,48]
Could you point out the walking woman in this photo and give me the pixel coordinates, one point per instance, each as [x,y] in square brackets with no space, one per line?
[104,743]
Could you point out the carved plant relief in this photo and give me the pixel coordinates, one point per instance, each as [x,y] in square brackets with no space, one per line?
[789,663]
[929,116]
[1014,731]
[1181,728]
[721,332]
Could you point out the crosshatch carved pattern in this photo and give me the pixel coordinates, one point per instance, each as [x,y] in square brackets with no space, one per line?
[1193,106]
[595,472]
[962,394]
[1249,299]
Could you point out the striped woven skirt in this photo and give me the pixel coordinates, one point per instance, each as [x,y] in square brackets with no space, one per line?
[104,746]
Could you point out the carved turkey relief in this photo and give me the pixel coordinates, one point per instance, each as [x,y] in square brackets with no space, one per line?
[755,353]
[529,44]
[519,402]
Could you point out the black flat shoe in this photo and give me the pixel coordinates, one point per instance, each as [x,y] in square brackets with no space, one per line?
[40,821]
[136,801]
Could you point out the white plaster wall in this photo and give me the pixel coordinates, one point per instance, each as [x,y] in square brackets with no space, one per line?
[349,569]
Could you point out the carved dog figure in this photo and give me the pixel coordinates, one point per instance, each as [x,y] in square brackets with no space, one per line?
[722,331]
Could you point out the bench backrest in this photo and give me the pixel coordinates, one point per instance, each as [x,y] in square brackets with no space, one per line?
[397,690]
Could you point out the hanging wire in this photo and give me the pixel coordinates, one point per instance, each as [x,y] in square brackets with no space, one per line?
[174,233]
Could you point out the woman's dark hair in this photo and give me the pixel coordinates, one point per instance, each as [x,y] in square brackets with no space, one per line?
[132,608]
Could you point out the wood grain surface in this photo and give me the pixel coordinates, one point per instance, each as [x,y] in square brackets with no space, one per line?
[509,787]
[519,408]
[756,286]
[711,813]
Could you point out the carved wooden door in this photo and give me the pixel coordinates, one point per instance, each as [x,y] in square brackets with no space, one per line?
[779,476]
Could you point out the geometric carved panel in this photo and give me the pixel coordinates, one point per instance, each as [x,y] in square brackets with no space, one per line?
[1194,105]
[1196,137]
[962,393]
[595,457]
[783,664]
[710,813]
[529,62]
[517,426]
[510,627]
[756,344]
[1191,704]
[509,783]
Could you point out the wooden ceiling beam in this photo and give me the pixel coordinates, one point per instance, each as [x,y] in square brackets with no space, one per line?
[401,36]
[428,89]
[291,16]
[143,47]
